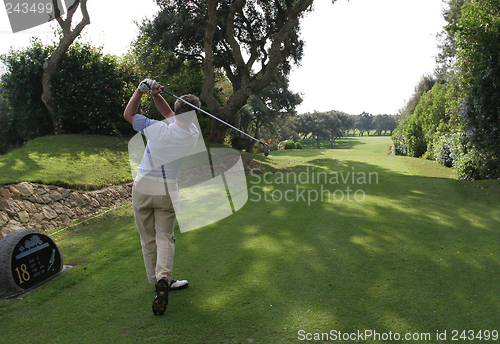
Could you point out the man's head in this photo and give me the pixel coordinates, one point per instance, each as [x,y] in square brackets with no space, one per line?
[182,108]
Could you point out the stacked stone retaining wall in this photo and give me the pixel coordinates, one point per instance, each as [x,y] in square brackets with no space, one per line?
[42,207]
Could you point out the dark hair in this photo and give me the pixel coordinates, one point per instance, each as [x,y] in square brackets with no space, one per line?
[181,107]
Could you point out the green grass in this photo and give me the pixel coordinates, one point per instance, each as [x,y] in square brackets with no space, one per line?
[419,254]
[85,162]
[346,142]
[77,161]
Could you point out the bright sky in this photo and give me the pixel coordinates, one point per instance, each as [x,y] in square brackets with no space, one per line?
[366,55]
[111,25]
[362,55]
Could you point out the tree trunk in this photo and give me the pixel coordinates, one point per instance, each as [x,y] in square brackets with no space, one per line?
[47,97]
[318,141]
[250,142]
[50,66]
[218,131]
[245,83]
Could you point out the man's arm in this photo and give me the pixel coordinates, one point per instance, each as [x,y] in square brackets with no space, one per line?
[160,102]
[132,106]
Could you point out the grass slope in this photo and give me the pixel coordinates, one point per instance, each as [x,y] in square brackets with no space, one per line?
[78,161]
[419,254]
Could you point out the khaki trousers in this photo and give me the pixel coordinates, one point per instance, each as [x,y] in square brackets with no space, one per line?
[155,220]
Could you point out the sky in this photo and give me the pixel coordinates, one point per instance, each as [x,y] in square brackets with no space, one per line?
[360,55]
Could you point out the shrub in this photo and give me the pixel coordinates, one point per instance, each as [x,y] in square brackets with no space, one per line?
[228,141]
[398,146]
[238,141]
[273,146]
[289,145]
[447,147]
[478,41]
[414,138]
[298,145]
[27,117]
[91,92]
[414,135]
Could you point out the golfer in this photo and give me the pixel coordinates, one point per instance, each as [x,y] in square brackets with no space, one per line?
[155,195]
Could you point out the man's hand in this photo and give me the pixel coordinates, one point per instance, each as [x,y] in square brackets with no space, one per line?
[156,90]
[160,102]
[146,85]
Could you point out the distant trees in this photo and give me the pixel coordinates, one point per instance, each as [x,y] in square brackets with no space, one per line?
[383,124]
[335,124]
[313,126]
[350,125]
[364,123]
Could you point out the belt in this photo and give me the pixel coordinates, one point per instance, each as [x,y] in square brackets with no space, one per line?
[156,179]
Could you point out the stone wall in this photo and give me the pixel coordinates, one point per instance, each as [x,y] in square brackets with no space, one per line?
[42,207]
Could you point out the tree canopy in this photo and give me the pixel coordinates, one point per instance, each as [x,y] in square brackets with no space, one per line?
[252,42]
[266,109]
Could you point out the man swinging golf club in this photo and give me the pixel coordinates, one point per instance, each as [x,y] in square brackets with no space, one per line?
[155,194]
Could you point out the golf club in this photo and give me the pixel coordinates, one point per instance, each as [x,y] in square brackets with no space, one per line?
[266,146]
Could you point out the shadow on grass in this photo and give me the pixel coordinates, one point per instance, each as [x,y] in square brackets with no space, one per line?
[416,255]
[67,161]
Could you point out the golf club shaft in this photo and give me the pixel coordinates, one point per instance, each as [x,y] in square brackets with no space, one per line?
[209,114]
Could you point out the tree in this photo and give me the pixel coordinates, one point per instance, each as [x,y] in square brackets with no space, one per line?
[51,65]
[287,129]
[383,124]
[447,44]
[335,122]
[89,91]
[185,76]
[215,34]
[391,124]
[424,85]
[265,108]
[313,125]
[4,109]
[457,122]
[416,134]
[350,125]
[27,117]
[478,40]
[364,123]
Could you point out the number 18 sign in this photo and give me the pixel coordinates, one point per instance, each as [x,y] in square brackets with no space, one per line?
[34,258]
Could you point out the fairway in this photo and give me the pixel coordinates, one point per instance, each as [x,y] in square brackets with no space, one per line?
[331,243]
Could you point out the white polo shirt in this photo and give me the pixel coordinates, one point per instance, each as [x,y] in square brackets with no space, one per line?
[167,148]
